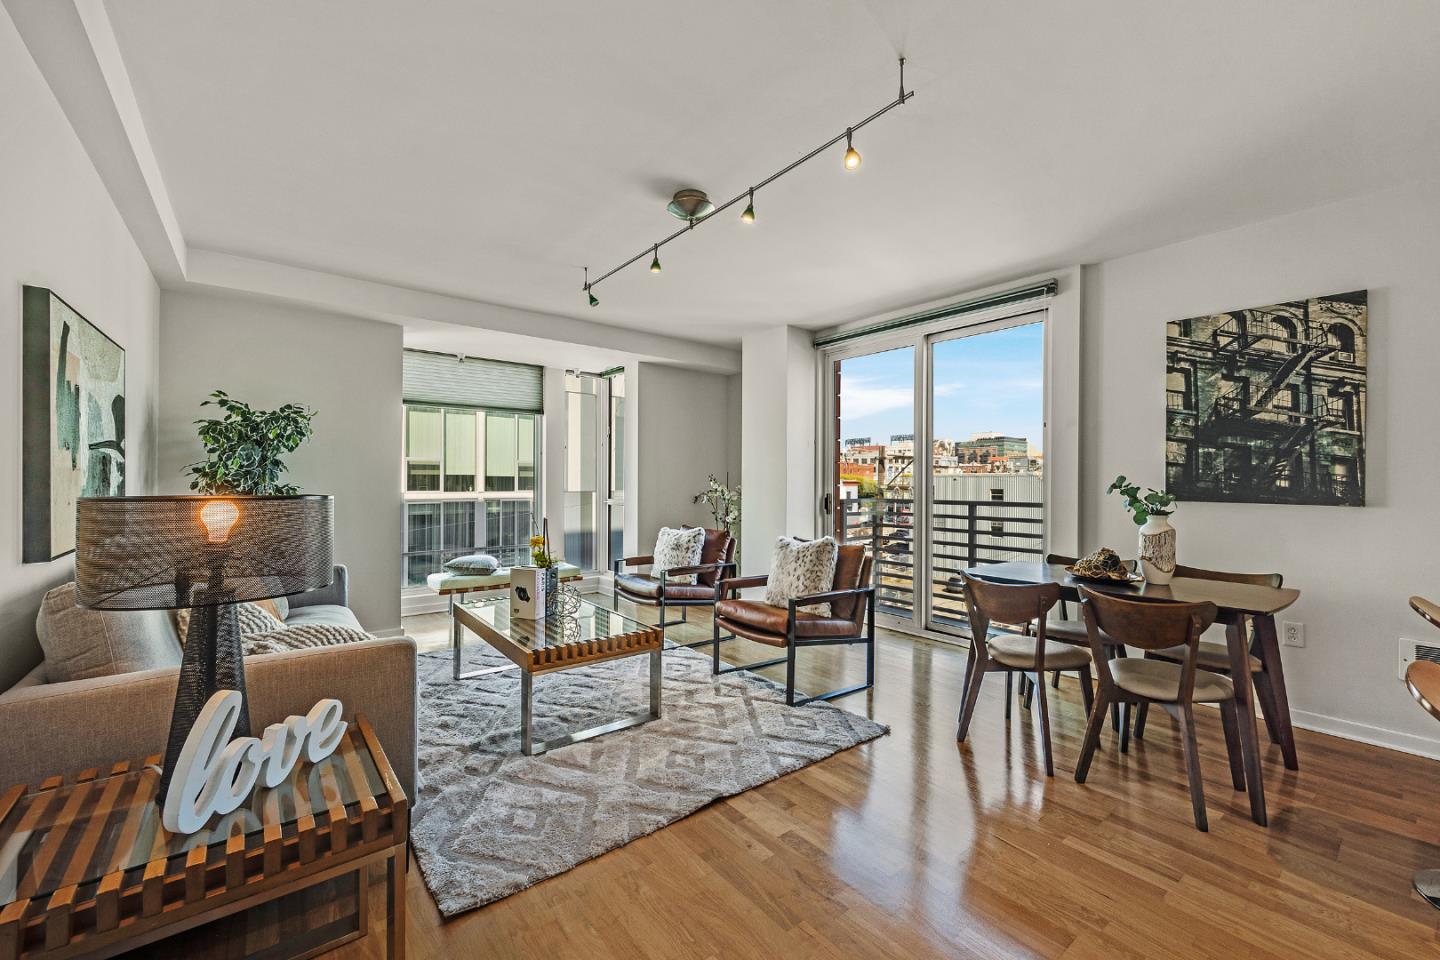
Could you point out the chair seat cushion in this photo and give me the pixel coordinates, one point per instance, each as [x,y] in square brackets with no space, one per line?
[766,619]
[1210,656]
[1018,651]
[1159,680]
[642,586]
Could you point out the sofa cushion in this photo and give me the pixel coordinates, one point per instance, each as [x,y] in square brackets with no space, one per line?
[253,617]
[301,637]
[801,568]
[80,643]
[678,548]
[328,614]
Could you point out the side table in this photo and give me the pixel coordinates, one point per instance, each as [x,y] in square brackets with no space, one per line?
[87,869]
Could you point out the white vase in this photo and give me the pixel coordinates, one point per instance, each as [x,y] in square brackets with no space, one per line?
[1157,550]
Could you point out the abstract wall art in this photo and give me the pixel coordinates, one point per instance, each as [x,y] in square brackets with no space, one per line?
[74,421]
[1267,404]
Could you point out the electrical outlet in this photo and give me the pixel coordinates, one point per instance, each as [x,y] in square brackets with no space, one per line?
[1292,633]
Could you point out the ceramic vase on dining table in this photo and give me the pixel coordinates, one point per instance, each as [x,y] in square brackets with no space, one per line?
[1157,550]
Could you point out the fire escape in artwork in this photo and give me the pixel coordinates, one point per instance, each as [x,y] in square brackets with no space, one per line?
[1268,401]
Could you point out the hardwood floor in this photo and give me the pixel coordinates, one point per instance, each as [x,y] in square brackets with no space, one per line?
[916,846]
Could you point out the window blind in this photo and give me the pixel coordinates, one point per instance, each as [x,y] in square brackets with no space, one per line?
[1037,291]
[444,379]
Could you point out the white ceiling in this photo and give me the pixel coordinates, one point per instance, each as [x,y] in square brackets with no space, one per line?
[488,150]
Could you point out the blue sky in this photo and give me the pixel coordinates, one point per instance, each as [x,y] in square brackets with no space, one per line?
[990,382]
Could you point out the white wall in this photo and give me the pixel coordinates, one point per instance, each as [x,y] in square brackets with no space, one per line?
[1355,567]
[59,229]
[778,393]
[683,438]
[348,369]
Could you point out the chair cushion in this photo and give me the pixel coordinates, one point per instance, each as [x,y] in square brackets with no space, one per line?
[641,586]
[80,643]
[767,619]
[1014,650]
[1209,656]
[719,547]
[802,568]
[678,548]
[478,564]
[1160,680]
[850,568]
[327,614]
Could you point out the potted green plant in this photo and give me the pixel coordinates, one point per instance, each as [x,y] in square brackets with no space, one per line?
[244,449]
[1151,512]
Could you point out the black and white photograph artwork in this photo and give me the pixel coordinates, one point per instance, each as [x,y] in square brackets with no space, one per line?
[1267,404]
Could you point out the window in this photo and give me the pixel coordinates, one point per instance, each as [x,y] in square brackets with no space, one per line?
[997,493]
[582,468]
[616,500]
[1342,338]
[469,485]
[424,431]
[1178,395]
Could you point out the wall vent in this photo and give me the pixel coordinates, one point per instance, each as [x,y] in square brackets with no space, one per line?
[1412,650]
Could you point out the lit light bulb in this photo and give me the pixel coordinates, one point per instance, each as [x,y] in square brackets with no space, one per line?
[852,156]
[219,517]
[749,215]
[655,263]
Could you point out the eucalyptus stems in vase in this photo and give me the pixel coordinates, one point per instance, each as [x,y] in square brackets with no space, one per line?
[1151,513]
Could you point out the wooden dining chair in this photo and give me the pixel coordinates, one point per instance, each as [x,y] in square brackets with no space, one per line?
[1215,656]
[993,650]
[1423,680]
[1150,625]
[1068,630]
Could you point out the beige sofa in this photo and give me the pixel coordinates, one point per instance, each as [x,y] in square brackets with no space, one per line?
[63,727]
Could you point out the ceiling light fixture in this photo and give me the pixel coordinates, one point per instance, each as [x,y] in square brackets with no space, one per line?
[694,207]
[852,156]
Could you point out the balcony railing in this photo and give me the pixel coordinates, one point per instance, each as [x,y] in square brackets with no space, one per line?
[966,533]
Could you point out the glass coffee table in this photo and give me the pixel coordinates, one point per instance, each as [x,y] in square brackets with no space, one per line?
[591,635]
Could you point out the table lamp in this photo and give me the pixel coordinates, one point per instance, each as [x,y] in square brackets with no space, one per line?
[209,553]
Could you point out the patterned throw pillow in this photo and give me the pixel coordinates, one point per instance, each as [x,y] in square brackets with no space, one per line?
[475,565]
[300,637]
[253,619]
[678,548]
[802,568]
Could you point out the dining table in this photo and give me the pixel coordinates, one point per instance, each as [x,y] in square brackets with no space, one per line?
[1237,603]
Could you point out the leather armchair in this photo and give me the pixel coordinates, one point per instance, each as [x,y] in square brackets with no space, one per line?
[659,589]
[851,620]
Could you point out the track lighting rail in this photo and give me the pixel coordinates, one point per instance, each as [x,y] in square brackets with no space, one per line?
[748,193]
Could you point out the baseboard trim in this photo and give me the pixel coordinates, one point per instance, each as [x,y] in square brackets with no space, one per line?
[1366,733]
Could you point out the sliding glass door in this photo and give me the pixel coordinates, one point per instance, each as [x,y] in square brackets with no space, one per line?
[936,458]
[987,426]
[872,489]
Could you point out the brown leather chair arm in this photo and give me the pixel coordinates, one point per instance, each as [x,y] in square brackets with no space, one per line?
[640,561]
[828,596]
[728,587]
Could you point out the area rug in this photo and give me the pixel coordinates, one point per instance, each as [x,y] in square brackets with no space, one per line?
[491,821]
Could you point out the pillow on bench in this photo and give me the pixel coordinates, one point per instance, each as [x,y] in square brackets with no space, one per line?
[475,565]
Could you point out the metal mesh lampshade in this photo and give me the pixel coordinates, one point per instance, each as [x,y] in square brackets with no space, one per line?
[163,553]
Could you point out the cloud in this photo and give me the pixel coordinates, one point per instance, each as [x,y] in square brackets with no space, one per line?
[863,397]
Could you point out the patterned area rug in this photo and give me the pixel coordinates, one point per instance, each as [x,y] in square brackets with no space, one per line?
[492,821]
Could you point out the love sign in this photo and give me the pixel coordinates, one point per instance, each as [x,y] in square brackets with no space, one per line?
[215,774]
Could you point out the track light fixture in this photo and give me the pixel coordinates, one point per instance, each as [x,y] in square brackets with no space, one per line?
[694,207]
[593,302]
[852,156]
